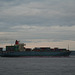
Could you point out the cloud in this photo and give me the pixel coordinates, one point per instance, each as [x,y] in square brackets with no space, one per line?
[45,19]
[55,33]
[38,12]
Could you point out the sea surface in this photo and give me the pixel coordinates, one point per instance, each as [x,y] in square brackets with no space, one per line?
[37,66]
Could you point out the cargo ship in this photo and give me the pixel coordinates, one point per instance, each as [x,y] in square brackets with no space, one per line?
[18,50]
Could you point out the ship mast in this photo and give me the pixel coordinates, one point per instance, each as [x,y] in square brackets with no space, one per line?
[68,46]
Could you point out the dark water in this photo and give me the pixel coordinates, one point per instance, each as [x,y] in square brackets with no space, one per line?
[38,66]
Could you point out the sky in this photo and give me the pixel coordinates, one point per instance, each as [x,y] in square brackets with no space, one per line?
[39,22]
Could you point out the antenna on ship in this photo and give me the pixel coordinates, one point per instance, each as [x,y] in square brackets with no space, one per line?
[68,46]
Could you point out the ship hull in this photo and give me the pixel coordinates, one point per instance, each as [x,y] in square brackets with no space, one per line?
[33,53]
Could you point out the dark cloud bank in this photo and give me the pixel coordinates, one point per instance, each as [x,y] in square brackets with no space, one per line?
[38,15]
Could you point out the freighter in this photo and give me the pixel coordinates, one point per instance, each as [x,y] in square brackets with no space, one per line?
[18,50]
